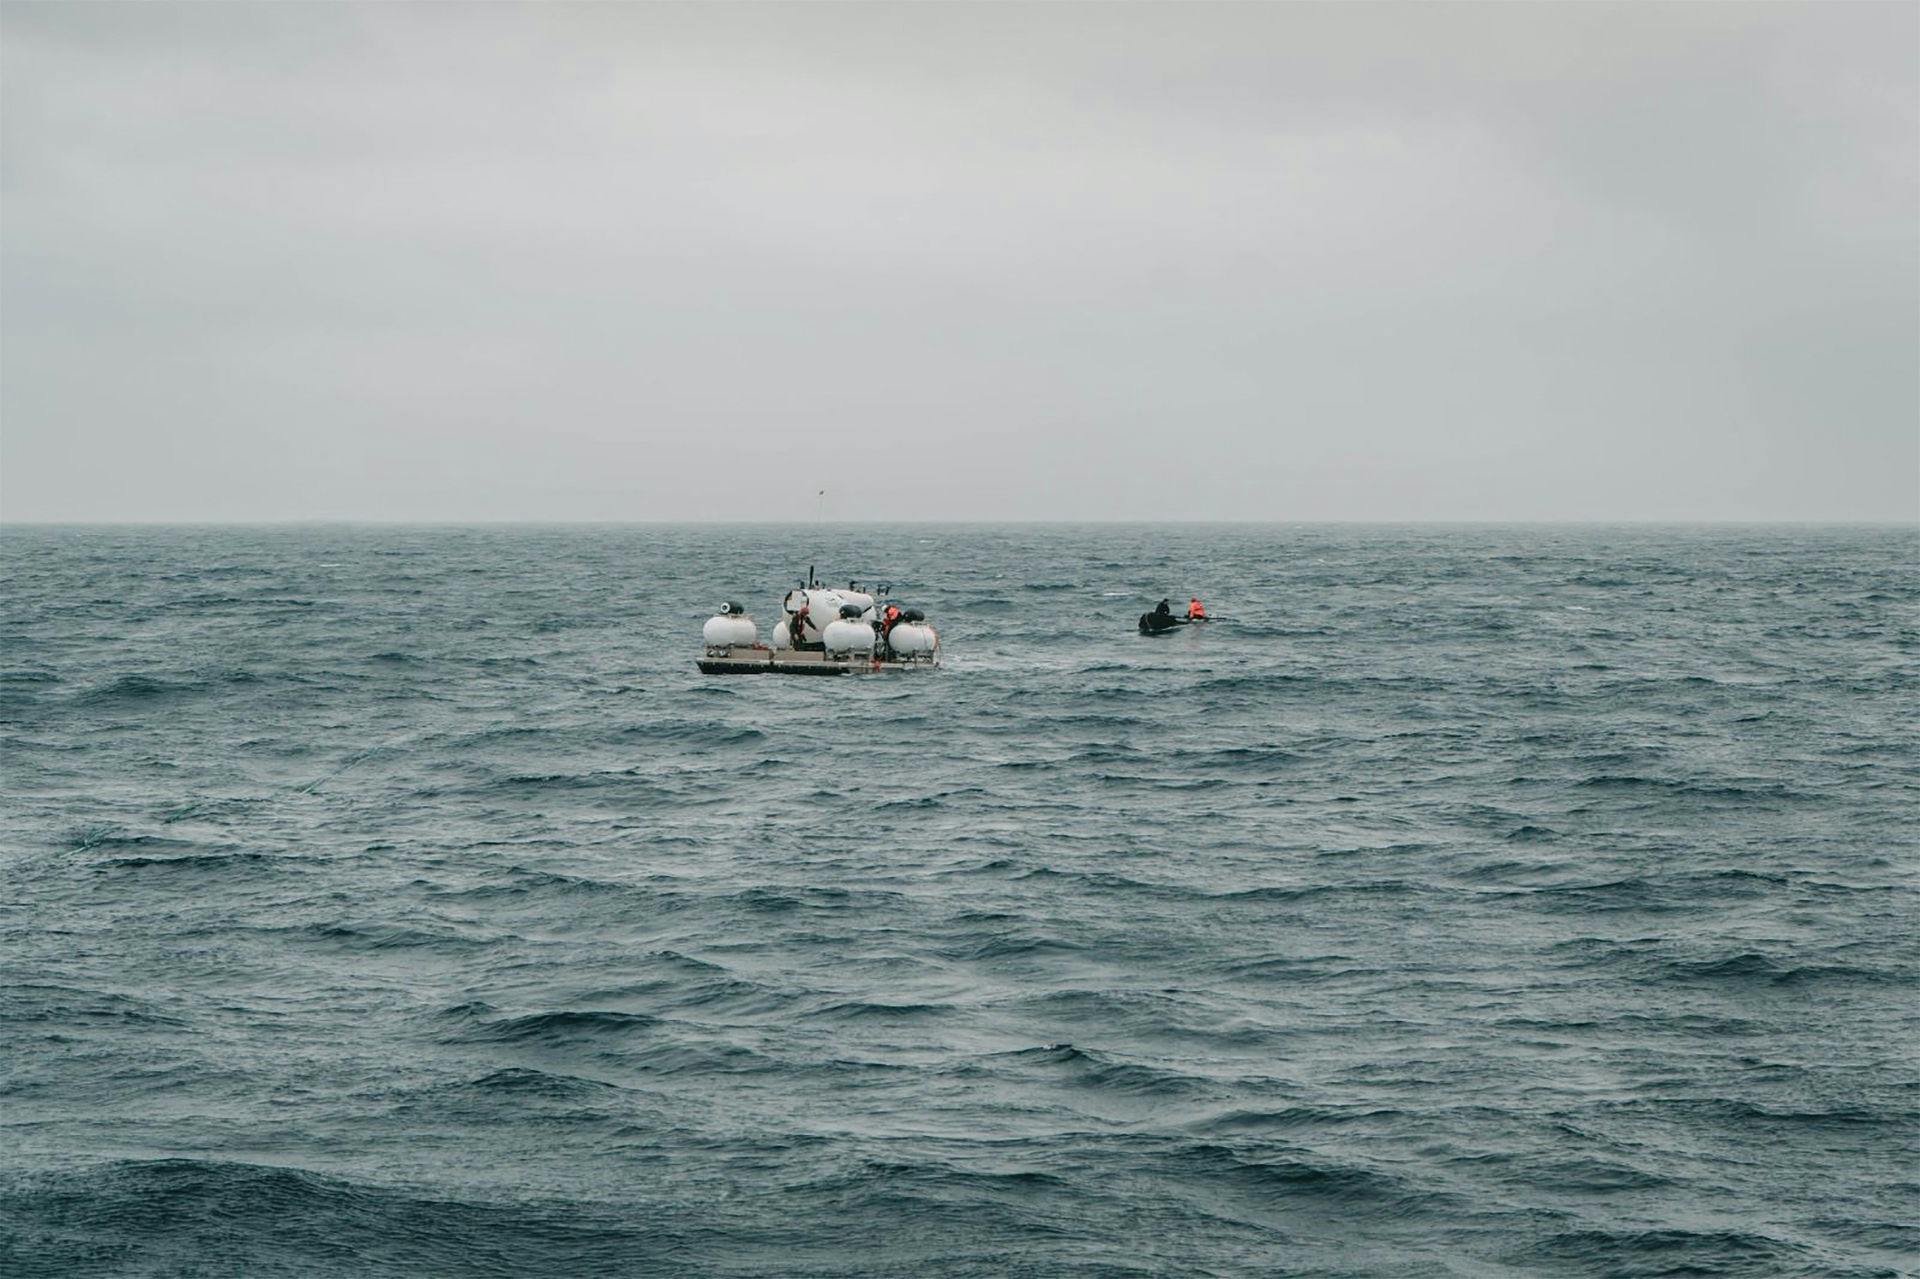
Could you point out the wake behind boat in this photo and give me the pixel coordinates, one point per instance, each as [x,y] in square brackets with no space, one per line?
[822,631]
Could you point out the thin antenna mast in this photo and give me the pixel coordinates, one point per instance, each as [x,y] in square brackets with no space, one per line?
[819,518]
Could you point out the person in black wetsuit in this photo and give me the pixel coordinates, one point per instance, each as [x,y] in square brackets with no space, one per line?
[1163,609]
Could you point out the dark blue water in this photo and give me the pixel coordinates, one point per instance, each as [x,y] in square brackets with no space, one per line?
[1524,901]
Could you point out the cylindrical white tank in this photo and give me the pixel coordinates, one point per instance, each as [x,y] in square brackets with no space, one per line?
[912,639]
[827,603]
[844,636]
[730,629]
[859,599]
[778,638]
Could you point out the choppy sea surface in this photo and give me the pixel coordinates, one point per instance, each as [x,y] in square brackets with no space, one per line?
[1471,901]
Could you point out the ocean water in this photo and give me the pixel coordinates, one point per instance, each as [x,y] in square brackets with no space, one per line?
[1470,901]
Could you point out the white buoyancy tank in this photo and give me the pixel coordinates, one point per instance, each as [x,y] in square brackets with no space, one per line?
[913,639]
[730,629]
[845,636]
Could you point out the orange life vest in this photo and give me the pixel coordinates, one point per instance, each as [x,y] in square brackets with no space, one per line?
[1196,609]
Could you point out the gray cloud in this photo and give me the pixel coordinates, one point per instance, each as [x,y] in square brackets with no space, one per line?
[654,261]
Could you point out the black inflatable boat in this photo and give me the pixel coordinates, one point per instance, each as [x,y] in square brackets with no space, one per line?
[1161,623]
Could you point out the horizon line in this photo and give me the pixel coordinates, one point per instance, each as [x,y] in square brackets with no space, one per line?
[800,529]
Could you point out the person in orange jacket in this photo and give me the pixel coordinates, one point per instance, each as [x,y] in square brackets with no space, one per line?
[1195,609]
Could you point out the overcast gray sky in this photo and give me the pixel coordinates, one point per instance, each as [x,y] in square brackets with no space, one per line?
[444,262]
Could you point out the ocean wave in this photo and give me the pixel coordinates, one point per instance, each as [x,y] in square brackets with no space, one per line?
[1291,969]
[522,1082]
[131,688]
[71,1006]
[218,863]
[520,881]
[1729,791]
[142,689]
[109,839]
[169,1216]
[1418,920]
[879,1010]
[1094,879]
[1097,1072]
[377,936]
[1628,1251]
[1242,1122]
[557,1027]
[1751,967]
[1303,892]
[1295,1180]
[1009,945]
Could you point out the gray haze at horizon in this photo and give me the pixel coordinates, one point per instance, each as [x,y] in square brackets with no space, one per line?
[1281,262]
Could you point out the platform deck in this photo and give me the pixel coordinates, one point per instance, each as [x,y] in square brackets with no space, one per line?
[766,661]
